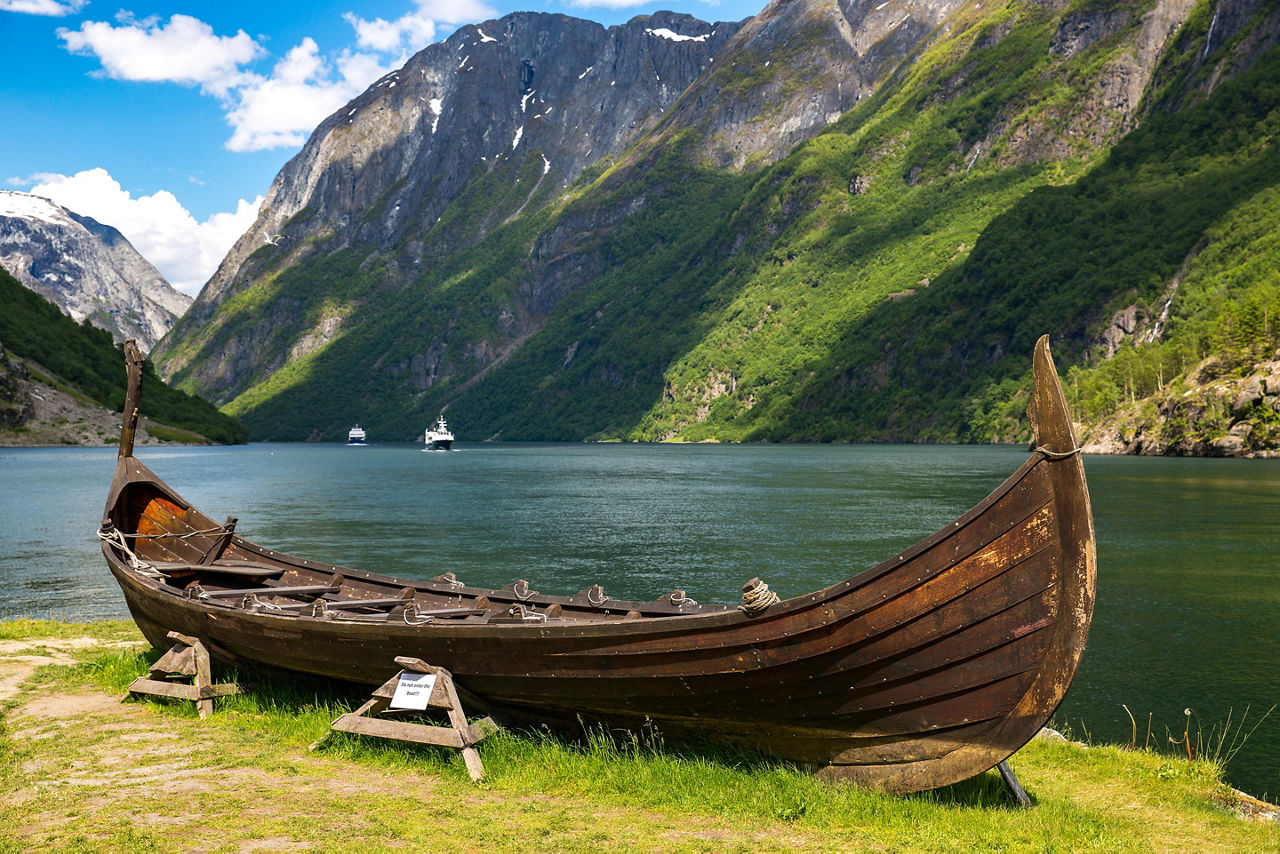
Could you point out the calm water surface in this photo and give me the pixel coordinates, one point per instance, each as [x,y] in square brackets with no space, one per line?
[1189,550]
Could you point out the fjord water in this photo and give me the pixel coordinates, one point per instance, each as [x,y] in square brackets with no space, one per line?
[1188,550]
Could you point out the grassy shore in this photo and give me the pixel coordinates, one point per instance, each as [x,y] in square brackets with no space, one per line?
[82,771]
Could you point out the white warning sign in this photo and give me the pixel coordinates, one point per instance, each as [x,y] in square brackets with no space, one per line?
[413,691]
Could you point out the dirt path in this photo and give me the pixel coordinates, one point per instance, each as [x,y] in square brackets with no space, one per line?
[90,772]
[20,658]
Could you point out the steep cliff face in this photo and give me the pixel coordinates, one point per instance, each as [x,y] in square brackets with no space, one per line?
[87,269]
[561,92]
[16,403]
[796,68]
[809,225]
[538,99]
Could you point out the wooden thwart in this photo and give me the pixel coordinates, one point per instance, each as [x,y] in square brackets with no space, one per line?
[444,696]
[189,658]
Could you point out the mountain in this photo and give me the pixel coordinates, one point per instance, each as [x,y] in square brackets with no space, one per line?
[63,382]
[498,119]
[87,269]
[849,223]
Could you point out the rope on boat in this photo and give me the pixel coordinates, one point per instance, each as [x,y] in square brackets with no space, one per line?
[1057,455]
[678,599]
[251,602]
[757,597]
[448,578]
[113,535]
[519,612]
[412,618]
[221,529]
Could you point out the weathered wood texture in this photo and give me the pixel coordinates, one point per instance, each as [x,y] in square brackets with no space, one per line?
[187,658]
[927,669]
[133,361]
[460,734]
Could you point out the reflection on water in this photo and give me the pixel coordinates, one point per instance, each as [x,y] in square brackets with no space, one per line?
[1189,550]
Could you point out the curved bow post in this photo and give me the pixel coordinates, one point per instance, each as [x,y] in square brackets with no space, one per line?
[133,360]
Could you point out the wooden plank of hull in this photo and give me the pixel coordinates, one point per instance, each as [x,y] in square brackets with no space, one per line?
[924,670]
[583,692]
[821,627]
[561,693]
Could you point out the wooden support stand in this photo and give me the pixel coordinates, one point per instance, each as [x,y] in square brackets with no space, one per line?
[444,696]
[1015,788]
[188,658]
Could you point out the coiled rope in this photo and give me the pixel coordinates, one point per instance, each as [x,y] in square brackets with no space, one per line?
[756,597]
[519,612]
[412,617]
[678,599]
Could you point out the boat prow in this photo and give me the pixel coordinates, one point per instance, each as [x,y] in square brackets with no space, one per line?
[925,670]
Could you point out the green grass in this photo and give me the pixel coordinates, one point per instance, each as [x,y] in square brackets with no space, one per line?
[150,775]
[103,630]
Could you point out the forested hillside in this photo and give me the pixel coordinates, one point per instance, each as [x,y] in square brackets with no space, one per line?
[85,359]
[1103,172]
[1169,240]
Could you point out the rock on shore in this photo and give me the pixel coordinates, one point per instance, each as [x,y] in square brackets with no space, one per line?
[1211,414]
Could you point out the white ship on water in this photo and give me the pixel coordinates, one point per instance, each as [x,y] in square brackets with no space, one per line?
[438,436]
[356,435]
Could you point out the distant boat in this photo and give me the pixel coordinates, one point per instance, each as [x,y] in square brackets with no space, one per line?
[356,435]
[438,436]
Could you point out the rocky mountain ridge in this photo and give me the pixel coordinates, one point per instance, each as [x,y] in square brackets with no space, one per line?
[87,269]
[562,92]
[62,382]
[823,236]
[35,413]
[539,98]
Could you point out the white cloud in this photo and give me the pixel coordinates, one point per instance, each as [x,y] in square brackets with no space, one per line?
[280,110]
[455,11]
[52,8]
[185,51]
[405,35]
[605,4]
[186,252]
[415,30]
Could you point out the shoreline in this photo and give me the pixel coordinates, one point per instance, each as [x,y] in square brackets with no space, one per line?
[87,768]
[146,439]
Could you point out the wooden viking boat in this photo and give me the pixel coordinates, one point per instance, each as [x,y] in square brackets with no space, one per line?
[926,670]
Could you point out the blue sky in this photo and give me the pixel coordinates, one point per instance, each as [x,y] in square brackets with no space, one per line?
[169,120]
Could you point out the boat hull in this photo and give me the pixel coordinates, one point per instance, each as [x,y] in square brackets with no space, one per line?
[922,671]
